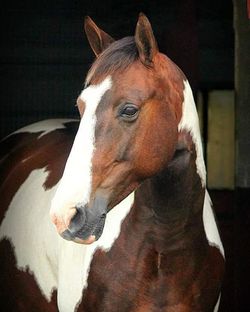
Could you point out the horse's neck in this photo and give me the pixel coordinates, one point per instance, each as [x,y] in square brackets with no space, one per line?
[176,195]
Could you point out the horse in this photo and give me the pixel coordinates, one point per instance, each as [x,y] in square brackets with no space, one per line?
[111,213]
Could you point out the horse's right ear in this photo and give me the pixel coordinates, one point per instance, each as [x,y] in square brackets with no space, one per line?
[98,39]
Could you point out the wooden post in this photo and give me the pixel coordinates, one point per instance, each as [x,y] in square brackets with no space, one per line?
[242,207]
[242,92]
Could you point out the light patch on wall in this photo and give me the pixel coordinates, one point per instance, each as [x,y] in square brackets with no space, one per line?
[221,140]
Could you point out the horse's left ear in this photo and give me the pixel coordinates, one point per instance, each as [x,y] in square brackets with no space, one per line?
[98,39]
[145,40]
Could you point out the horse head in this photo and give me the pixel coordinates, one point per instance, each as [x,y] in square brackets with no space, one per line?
[130,110]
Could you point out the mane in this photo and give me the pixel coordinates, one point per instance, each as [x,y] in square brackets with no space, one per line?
[118,56]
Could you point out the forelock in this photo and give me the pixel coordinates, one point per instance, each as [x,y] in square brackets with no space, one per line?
[118,56]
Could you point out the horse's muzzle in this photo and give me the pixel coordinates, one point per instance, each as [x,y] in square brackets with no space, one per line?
[86,225]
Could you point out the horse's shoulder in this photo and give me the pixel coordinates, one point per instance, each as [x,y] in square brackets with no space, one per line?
[31,163]
[44,144]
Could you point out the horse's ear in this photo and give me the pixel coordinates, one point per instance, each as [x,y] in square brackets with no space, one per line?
[98,39]
[145,40]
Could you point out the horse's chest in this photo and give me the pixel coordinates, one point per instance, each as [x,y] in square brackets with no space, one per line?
[125,291]
[122,283]
[142,281]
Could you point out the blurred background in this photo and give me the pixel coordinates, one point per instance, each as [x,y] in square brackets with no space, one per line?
[45,56]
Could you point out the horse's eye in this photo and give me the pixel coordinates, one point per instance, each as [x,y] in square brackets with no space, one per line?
[129,112]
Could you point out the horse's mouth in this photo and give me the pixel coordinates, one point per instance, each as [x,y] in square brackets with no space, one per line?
[88,233]
[87,224]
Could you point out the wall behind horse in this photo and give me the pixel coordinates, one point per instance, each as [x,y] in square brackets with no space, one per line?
[43,63]
[45,55]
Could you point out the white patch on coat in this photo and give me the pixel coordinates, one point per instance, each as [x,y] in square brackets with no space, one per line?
[75,185]
[216,308]
[75,259]
[190,123]
[28,227]
[54,262]
[45,126]
[210,225]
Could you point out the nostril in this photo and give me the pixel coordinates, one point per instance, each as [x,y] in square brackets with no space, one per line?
[69,216]
[77,220]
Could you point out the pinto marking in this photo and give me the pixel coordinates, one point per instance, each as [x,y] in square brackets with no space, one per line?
[216,308]
[44,126]
[210,226]
[75,259]
[75,185]
[190,122]
[31,233]
[58,264]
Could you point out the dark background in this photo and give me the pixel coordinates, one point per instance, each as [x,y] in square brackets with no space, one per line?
[44,58]
[45,55]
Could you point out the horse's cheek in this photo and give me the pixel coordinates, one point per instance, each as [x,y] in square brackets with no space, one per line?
[148,162]
[155,151]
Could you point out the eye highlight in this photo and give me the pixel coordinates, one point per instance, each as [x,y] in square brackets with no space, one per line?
[129,112]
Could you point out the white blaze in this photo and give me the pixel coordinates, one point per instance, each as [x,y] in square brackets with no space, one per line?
[75,185]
